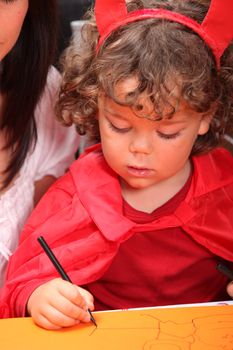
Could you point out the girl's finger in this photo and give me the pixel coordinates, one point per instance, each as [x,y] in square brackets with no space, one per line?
[43,322]
[70,309]
[57,318]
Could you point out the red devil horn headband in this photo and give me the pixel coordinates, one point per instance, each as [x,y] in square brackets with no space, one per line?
[216,29]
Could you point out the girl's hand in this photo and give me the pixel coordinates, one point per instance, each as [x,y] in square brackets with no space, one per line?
[230,289]
[58,304]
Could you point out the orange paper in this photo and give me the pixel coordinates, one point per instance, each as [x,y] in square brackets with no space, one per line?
[188,328]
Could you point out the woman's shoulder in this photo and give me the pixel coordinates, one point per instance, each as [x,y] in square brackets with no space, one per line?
[56,144]
[50,93]
[53,79]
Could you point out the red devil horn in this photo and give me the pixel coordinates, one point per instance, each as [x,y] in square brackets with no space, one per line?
[216,29]
[218,23]
[108,12]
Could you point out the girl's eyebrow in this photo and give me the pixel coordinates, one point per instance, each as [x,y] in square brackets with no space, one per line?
[163,121]
[114,114]
[173,122]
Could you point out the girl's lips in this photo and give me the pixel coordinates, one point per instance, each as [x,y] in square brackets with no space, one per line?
[139,172]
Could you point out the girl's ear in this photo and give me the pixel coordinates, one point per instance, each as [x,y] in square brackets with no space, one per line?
[205,124]
[206,120]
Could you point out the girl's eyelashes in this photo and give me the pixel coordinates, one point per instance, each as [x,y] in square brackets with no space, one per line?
[8,1]
[168,136]
[123,130]
[117,129]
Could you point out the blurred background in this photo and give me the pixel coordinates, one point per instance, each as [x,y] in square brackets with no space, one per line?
[70,10]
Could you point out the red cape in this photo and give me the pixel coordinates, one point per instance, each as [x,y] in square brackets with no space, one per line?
[81,219]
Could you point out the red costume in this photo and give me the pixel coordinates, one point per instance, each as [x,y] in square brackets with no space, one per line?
[81,219]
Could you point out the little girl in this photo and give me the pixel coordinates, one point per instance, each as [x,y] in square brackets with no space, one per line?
[34,148]
[143,218]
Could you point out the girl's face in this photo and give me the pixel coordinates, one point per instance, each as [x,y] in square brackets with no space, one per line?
[12,14]
[145,152]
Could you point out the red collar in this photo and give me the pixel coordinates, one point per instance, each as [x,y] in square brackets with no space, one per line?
[99,191]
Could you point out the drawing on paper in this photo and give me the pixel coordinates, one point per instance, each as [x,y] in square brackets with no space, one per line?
[207,332]
[183,328]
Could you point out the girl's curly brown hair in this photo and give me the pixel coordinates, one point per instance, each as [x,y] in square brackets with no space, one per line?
[157,52]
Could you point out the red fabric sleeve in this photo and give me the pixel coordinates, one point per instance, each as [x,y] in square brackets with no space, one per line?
[74,238]
[23,269]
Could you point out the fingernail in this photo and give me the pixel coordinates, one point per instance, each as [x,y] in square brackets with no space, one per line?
[87,318]
[84,306]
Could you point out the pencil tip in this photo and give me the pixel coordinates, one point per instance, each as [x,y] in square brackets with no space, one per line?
[93,321]
[92,318]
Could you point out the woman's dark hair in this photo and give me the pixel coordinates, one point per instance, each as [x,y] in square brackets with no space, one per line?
[23,77]
[162,55]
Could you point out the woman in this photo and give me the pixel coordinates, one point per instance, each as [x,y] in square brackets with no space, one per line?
[34,148]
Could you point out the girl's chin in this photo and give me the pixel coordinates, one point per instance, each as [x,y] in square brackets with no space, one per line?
[136,184]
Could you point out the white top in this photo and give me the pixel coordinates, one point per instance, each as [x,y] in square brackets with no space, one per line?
[53,153]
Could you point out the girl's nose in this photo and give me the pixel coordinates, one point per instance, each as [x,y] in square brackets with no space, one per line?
[141,143]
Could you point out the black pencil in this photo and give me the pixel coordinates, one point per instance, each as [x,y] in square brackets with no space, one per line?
[58,267]
[225,270]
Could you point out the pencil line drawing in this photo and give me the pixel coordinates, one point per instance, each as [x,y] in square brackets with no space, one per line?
[210,332]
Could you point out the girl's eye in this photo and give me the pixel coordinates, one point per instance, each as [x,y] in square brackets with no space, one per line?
[117,129]
[168,136]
